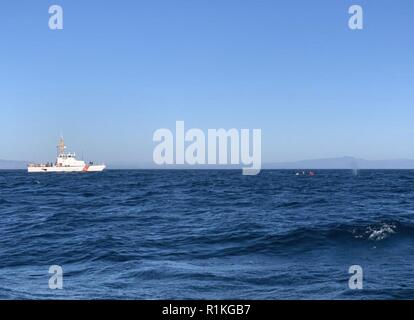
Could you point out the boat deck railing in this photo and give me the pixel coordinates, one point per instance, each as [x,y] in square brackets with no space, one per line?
[38,165]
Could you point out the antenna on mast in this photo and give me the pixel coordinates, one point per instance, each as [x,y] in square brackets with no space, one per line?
[61,146]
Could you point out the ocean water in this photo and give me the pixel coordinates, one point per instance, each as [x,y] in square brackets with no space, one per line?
[207,234]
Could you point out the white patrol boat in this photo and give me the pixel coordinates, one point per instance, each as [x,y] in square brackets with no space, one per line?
[66,162]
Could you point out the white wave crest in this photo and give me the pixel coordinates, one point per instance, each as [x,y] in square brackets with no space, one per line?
[380,233]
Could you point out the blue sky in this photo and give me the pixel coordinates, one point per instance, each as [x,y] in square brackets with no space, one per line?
[122,69]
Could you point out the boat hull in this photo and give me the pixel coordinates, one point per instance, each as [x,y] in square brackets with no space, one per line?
[86,168]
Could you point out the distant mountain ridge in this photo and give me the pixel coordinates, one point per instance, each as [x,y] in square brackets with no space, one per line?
[12,164]
[343,163]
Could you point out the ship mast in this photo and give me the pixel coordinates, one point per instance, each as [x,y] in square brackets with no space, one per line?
[61,146]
